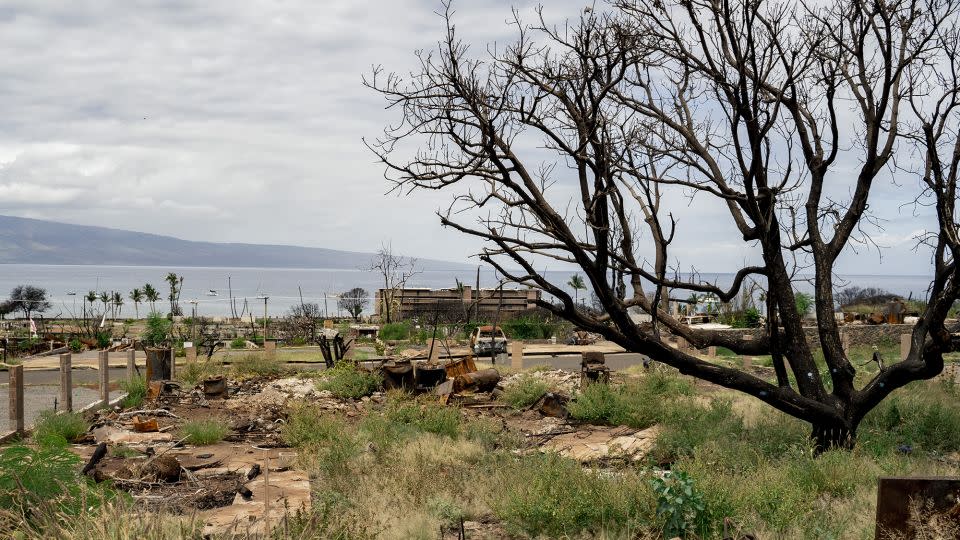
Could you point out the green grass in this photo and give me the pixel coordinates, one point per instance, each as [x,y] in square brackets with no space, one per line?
[204,432]
[257,365]
[136,389]
[525,391]
[549,496]
[636,403]
[427,416]
[348,381]
[195,372]
[64,426]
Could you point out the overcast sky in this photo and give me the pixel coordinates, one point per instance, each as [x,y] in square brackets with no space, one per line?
[242,121]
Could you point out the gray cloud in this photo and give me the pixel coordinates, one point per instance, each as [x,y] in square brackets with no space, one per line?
[242,121]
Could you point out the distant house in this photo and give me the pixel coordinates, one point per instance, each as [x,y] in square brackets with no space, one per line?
[417,302]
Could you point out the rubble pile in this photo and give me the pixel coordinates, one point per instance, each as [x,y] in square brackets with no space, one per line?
[564,382]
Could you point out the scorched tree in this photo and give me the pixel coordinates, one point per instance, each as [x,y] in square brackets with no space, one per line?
[786,115]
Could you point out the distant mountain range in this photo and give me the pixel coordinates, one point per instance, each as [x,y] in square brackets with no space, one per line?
[34,241]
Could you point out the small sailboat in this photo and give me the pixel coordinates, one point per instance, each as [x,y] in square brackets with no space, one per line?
[212,292]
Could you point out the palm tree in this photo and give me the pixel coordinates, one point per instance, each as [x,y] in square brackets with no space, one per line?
[151,295]
[176,283]
[137,296]
[90,298]
[576,282]
[118,302]
[105,298]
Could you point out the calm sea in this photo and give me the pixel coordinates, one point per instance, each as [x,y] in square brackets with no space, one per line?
[283,286]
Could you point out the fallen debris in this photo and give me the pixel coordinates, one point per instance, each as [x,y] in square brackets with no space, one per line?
[594,443]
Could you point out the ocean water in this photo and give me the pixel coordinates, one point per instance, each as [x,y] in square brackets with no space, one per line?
[284,286]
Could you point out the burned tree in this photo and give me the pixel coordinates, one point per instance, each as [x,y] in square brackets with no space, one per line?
[395,270]
[353,302]
[751,105]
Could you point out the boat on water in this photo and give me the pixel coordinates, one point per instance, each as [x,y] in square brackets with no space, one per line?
[212,292]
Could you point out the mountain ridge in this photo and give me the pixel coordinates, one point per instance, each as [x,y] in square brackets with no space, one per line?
[37,241]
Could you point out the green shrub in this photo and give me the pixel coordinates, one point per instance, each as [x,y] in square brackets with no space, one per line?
[238,343]
[136,389]
[347,380]
[638,404]
[156,331]
[395,331]
[64,426]
[104,339]
[525,391]
[680,506]
[549,496]
[44,479]
[76,345]
[203,432]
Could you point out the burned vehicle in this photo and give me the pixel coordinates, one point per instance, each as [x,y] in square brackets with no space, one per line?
[485,342]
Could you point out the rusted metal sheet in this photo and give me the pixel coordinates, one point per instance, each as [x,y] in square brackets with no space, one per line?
[461,367]
[215,387]
[937,497]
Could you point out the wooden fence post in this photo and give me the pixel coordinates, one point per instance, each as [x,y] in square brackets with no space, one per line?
[905,342]
[66,382]
[516,355]
[16,398]
[173,363]
[131,365]
[104,367]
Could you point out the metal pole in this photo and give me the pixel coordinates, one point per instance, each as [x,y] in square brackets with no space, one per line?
[66,382]
[265,319]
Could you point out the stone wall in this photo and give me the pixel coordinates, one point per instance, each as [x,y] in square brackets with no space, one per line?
[859,334]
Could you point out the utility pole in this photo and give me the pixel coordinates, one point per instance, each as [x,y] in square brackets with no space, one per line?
[265,298]
[193,320]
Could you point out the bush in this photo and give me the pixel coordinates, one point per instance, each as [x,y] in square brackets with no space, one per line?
[44,478]
[638,404]
[528,328]
[104,339]
[203,432]
[680,506]
[549,496]
[136,389]
[238,343]
[75,345]
[347,380]
[395,331]
[65,427]
[157,330]
[525,391]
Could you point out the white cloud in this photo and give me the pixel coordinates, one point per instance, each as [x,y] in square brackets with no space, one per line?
[241,121]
